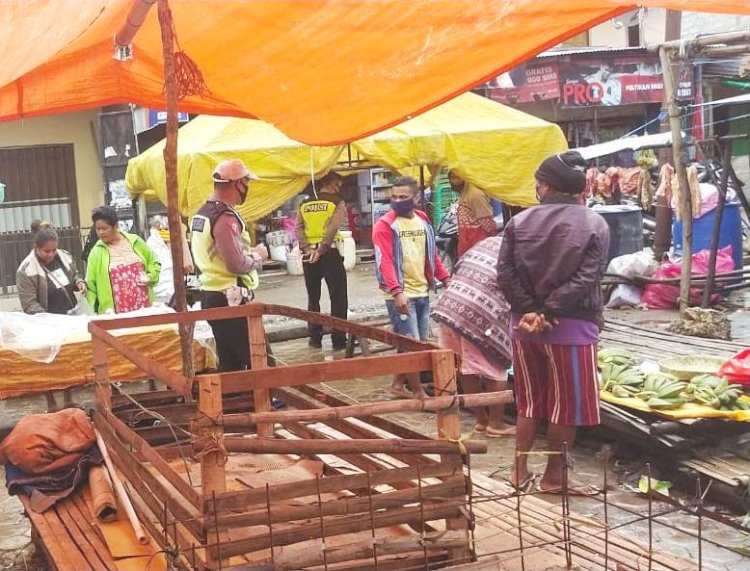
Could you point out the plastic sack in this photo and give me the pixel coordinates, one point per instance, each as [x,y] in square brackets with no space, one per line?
[82,307]
[663,296]
[737,369]
[624,295]
[631,265]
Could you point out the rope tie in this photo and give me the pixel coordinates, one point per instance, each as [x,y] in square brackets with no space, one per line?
[211,444]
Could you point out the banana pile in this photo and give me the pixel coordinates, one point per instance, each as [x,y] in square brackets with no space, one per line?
[663,391]
[622,380]
[620,376]
[710,390]
[615,356]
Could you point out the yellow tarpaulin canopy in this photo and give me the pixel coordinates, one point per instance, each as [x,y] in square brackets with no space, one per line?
[493,146]
[322,71]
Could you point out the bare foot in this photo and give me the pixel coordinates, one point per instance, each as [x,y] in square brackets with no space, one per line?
[400,392]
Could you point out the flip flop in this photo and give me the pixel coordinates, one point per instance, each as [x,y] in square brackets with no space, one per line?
[525,485]
[508,432]
[578,490]
[393,392]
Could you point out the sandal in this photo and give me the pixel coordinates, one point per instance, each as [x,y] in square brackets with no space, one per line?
[507,432]
[578,490]
[480,429]
[525,485]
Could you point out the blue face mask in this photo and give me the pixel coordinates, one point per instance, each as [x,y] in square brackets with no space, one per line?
[402,207]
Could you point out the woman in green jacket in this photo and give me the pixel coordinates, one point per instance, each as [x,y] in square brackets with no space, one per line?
[121,270]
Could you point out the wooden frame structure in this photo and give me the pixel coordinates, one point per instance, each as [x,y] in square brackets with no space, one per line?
[428,491]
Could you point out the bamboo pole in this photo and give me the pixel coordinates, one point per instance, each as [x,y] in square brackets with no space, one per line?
[242,421]
[259,362]
[136,16]
[122,495]
[685,205]
[347,446]
[170,167]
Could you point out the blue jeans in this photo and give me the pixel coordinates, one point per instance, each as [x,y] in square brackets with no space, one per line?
[417,324]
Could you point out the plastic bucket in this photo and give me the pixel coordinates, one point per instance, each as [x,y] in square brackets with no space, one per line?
[625,223]
[294,263]
[347,247]
[730,233]
[278,238]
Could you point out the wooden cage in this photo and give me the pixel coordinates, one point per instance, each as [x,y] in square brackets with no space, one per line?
[375,475]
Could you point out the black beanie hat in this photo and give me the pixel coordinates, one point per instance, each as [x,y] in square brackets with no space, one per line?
[565,172]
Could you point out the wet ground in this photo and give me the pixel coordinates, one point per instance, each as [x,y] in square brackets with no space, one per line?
[16,552]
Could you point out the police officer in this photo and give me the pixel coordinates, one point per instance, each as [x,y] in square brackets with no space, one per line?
[318,224]
[227,262]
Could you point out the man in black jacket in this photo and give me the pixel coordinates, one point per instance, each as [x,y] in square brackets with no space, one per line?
[550,269]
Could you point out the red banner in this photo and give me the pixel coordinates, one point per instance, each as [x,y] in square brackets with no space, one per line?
[616,81]
[524,84]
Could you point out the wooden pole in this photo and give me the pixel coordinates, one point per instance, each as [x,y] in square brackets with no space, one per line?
[170,168]
[308,447]
[685,205]
[136,17]
[213,473]
[449,428]
[726,148]
[259,361]
[245,421]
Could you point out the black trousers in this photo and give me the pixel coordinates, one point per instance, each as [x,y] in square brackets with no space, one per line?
[232,346]
[330,267]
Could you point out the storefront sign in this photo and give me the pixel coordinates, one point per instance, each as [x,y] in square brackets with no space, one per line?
[617,81]
[158,117]
[527,83]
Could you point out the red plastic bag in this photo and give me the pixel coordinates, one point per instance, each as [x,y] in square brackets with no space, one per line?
[662,296]
[737,369]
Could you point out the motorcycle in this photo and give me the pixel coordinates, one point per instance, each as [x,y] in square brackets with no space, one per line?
[446,237]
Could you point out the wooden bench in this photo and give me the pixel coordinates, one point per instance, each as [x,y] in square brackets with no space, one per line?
[68,536]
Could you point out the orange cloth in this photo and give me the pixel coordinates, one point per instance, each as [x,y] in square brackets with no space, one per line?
[407,56]
[42,443]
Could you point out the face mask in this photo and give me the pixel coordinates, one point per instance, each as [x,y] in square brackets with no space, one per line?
[402,207]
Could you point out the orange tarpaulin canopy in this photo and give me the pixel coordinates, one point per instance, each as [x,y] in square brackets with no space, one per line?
[322,71]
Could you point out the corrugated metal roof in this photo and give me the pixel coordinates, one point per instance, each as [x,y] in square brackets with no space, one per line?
[576,50]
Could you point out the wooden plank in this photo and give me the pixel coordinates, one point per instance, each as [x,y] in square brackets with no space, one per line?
[153,368]
[53,532]
[326,371]
[218,313]
[103,392]
[82,535]
[382,423]
[350,429]
[55,547]
[259,362]
[352,446]
[328,484]
[343,525]
[449,428]
[366,331]
[452,487]
[145,453]
[140,477]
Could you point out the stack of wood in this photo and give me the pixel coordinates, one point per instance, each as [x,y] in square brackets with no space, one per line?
[200,500]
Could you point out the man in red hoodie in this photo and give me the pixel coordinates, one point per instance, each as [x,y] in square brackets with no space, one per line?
[407,265]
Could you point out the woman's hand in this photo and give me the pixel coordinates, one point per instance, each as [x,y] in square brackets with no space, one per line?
[81,285]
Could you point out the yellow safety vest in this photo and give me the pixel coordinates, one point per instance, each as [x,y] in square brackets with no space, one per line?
[215,276]
[316,215]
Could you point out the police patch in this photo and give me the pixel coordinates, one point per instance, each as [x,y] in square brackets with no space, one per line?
[198,224]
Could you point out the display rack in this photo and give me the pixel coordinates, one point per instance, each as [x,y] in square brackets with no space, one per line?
[381,181]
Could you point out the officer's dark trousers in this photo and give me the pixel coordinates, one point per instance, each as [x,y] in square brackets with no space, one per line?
[230,334]
[330,267]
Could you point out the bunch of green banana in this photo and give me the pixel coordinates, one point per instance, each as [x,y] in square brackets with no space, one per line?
[621,380]
[716,392]
[615,356]
[663,391]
